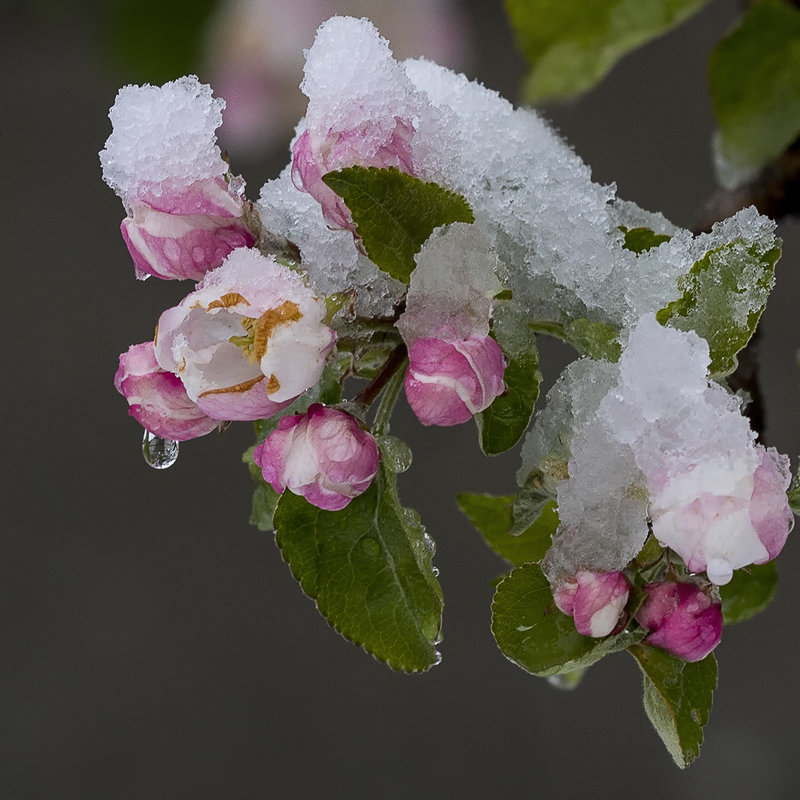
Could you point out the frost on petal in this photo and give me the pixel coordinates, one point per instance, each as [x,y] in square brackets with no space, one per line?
[323,455]
[157,399]
[248,340]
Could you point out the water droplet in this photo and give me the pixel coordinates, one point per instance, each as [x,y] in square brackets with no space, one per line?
[435,571]
[431,627]
[159,453]
[370,546]
[567,680]
[438,657]
[396,453]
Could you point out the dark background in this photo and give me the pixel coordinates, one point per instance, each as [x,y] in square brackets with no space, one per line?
[155,646]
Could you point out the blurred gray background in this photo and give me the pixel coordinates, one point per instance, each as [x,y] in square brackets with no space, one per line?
[154,645]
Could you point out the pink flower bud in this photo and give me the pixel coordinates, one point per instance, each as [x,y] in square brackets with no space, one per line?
[594,599]
[248,340]
[183,235]
[323,455]
[682,619]
[447,382]
[366,146]
[157,398]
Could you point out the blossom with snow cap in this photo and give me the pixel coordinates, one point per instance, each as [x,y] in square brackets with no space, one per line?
[595,601]
[682,619]
[157,399]
[361,111]
[323,455]
[455,369]
[248,340]
[185,214]
[669,446]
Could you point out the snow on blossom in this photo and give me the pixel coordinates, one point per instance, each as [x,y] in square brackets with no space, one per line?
[682,619]
[323,455]
[185,215]
[248,340]
[594,600]
[157,399]
[361,111]
[658,442]
[455,368]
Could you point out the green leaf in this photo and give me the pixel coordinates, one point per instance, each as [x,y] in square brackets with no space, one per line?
[596,340]
[265,498]
[536,636]
[491,515]
[368,567]
[571,46]
[724,294]
[793,494]
[642,239]
[677,698]
[503,423]
[395,213]
[749,592]
[527,507]
[754,76]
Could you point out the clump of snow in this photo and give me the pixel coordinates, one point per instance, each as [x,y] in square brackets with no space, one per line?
[330,257]
[452,287]
[649,439]
[163,138]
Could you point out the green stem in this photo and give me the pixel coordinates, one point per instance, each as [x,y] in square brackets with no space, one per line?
[393,374]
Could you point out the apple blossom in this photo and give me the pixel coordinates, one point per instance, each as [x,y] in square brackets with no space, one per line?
[595,600]
[323,455]
[248,340]
[449,381]
[682,619]
[157,398]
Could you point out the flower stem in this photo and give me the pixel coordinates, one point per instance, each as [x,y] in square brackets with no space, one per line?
[390,376]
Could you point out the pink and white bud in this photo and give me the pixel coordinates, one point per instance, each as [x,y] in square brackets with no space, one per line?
[367,146]
[682,619]
[157,399]
[449,381]
[185,235]
[248,340]
[323,455]
[360,111]
[594,599]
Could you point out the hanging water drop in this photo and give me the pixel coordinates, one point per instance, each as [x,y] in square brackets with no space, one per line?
[396,453]
[159,453]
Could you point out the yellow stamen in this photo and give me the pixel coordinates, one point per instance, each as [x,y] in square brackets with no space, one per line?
[239,387]
[227,300]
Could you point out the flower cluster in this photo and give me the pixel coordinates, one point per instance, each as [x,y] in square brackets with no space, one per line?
[254,335]
[471,229]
